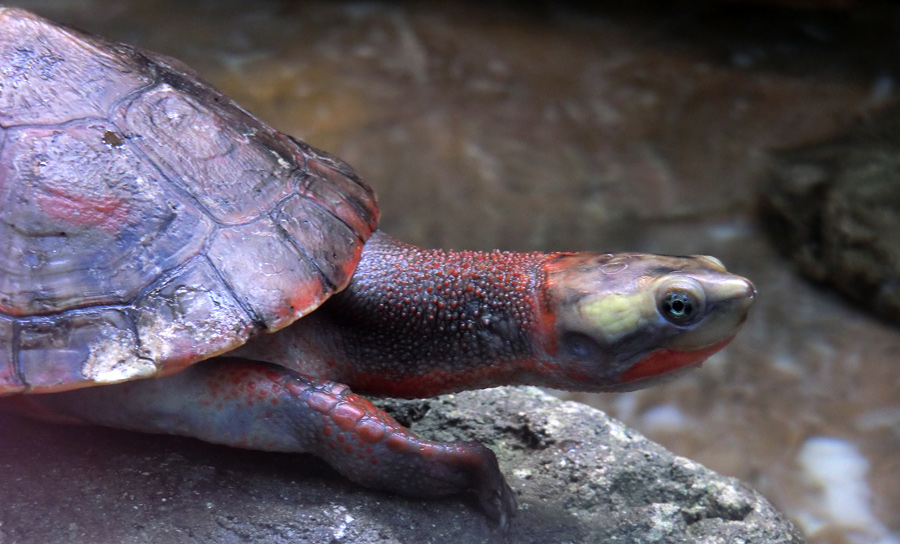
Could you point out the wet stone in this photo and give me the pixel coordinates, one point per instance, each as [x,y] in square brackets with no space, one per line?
[834,209]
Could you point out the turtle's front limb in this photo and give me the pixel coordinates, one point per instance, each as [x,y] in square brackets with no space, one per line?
[265,407]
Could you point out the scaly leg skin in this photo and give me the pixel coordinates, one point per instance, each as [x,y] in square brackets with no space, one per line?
[266,407]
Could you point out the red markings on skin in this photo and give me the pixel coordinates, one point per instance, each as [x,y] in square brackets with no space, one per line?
[439,381]
[320,402]
[244,387]
[428,450]
[294,388]
[346,415]
[305,298]
[546,322]
[400,443]
[83,210]
[362,402]
[468,456]
[339,389]
[411,310]
[370,430]
[350,426]
[663,361]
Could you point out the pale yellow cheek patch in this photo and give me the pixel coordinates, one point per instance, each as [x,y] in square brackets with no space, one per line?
[617,315]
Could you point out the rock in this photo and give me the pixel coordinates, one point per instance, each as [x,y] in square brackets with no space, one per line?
[834,209]
[579,477]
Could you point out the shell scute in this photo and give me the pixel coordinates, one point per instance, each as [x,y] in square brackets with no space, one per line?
[326,241]
[96,345]
[333,184]
[189,315]
[85,223]
[233,165]
[52,74]
[272,276]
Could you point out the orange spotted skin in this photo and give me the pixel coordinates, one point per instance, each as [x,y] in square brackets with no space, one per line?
[416,323]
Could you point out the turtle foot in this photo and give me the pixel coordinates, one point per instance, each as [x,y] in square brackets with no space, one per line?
[371,448]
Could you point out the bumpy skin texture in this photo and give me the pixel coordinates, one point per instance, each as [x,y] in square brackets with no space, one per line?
[151,224]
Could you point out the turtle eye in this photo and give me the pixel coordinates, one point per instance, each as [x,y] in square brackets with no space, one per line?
[679,306]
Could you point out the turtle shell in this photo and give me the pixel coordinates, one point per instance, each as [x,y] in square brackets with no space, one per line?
[148,221]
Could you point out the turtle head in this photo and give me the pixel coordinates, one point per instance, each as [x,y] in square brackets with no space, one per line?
[626,320]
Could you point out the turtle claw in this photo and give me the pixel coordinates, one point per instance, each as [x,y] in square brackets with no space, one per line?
[496,497]
[498,500]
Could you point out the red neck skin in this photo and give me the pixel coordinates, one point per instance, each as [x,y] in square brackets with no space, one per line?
[417,322]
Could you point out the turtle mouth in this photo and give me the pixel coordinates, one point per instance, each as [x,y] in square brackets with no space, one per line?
[664,362]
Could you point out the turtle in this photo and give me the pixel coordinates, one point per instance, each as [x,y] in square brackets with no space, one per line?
[172,264]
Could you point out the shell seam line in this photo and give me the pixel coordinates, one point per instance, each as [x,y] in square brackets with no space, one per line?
[251,314]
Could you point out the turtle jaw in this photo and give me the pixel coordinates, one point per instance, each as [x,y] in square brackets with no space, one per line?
[623,321]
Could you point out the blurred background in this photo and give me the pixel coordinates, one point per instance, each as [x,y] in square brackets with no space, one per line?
[642,126]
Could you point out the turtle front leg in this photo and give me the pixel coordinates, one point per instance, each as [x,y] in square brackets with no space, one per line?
[265,407]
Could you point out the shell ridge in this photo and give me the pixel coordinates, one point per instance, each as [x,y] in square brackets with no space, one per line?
[16,360]
[325,209]
[302,250]
[255,318]
[131,95]
[78,120]
[366,211]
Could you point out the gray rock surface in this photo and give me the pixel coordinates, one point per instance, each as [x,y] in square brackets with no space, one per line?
[834,208]
[579,477]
